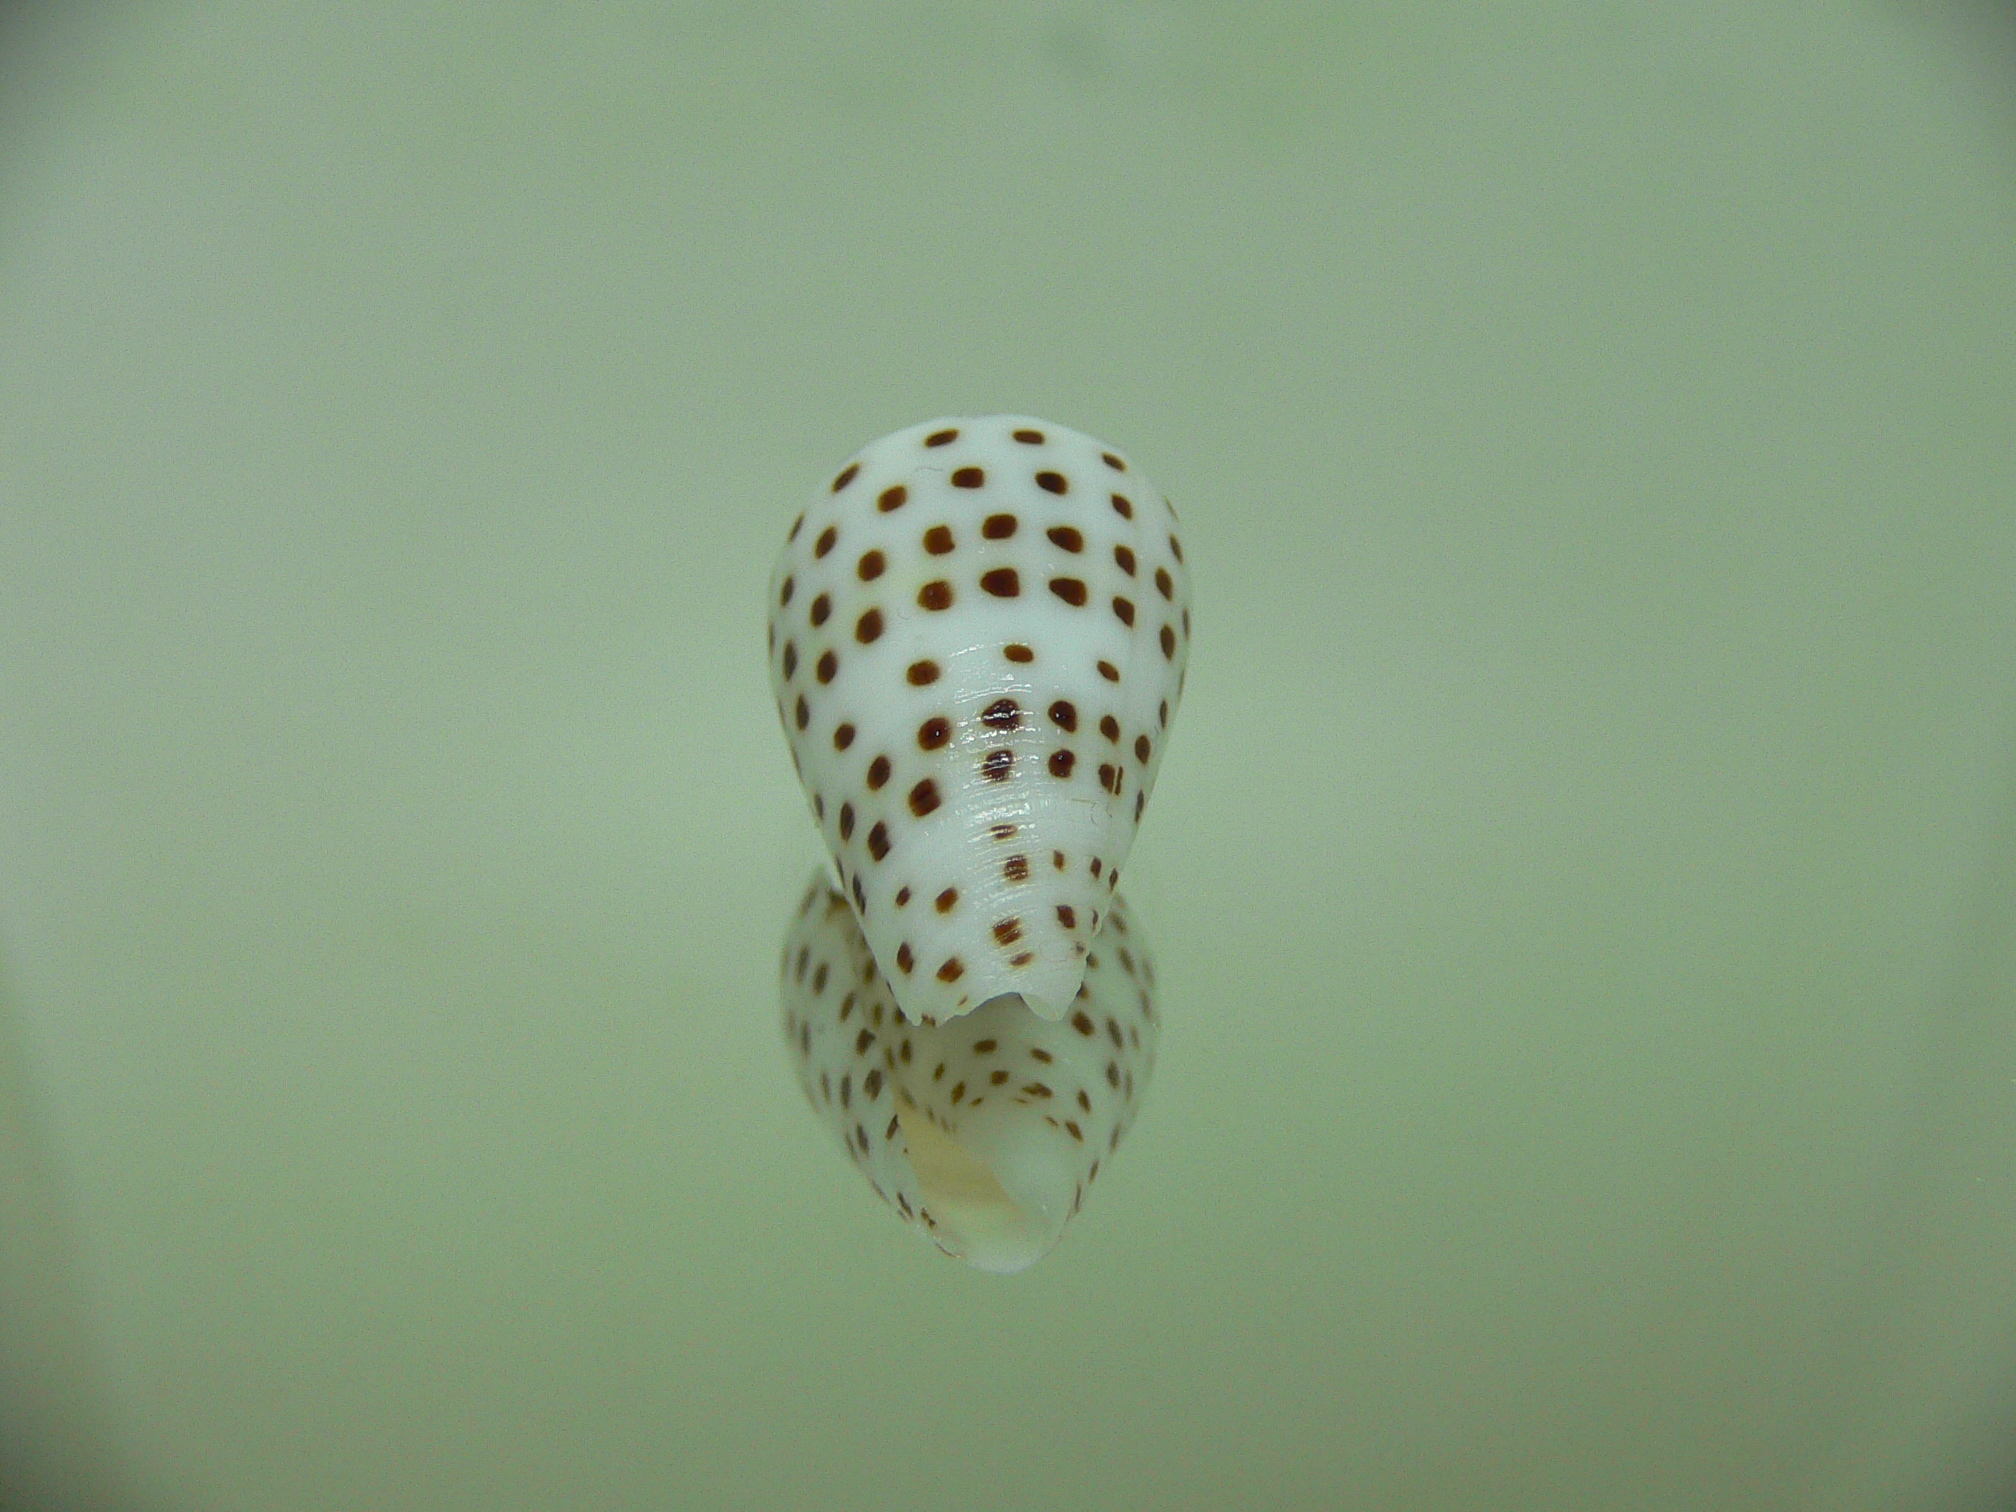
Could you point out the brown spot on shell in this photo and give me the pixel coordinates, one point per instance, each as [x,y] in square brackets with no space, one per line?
[893,498]
[846,476]
[968,477]
[1069,589]
[1002,582]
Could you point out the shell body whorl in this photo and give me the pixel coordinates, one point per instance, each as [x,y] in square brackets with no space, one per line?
[978,634]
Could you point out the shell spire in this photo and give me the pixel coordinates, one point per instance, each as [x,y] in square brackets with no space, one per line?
[978,634]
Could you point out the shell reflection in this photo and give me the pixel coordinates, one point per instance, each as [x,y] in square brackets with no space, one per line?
[984,1133]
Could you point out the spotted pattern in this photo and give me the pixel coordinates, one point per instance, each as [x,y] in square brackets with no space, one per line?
[1046,1103]
[979,629]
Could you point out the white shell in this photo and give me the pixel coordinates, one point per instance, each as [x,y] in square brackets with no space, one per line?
[978,634]
[984,1133]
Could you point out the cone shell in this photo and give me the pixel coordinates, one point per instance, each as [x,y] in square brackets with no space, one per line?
[984,1133]
[978,634]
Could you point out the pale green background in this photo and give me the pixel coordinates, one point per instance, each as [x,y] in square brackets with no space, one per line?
[1582,872]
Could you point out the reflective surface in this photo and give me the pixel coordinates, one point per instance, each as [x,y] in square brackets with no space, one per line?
[1580,880]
